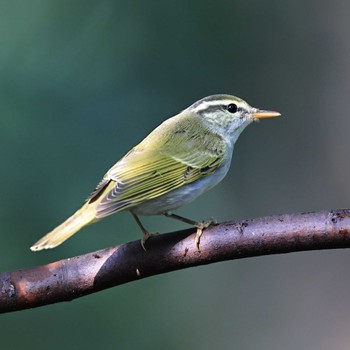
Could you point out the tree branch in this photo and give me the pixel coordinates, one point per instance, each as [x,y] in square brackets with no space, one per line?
[72,278]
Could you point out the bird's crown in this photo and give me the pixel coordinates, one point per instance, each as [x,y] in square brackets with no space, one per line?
[216,103]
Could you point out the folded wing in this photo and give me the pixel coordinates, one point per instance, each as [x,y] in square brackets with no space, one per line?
[144,174]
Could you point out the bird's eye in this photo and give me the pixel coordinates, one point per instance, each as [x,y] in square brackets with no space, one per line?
[232,108]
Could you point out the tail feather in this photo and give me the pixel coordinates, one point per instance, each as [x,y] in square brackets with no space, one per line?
[83,217]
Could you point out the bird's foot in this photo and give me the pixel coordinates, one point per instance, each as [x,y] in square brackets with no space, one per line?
[145,237]
[200,227]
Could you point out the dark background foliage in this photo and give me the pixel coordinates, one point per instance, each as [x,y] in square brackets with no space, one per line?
[81,82]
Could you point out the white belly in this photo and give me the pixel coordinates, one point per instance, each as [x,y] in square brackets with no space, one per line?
[182,195]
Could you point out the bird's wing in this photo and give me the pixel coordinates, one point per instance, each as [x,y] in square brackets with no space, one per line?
[143,174]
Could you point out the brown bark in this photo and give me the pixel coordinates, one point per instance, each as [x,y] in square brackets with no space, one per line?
[71,278]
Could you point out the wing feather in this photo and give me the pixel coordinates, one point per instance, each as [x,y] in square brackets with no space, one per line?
[143,174]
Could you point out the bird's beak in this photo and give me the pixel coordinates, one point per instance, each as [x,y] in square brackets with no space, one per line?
[261,114]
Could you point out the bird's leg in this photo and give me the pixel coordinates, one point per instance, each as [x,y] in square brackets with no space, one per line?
[146,234]
[199,225]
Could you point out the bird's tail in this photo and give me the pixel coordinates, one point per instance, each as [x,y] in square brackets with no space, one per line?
[83,217]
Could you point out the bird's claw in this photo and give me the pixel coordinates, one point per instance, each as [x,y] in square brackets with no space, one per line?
[145,237]
[200,227]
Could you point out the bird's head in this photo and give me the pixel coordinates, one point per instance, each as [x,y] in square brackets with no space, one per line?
[228,115]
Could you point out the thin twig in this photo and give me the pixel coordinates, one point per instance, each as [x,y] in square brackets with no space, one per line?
[72,278]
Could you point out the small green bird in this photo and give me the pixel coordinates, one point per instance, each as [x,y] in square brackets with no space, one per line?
[182,158]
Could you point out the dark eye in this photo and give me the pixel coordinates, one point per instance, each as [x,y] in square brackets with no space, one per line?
[232,108]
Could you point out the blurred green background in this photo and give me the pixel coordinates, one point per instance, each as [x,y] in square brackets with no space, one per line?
[81,82]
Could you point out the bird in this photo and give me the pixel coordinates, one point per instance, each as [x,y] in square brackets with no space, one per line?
[185,156]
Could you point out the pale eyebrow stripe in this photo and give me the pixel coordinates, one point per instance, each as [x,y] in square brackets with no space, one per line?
[207,105]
